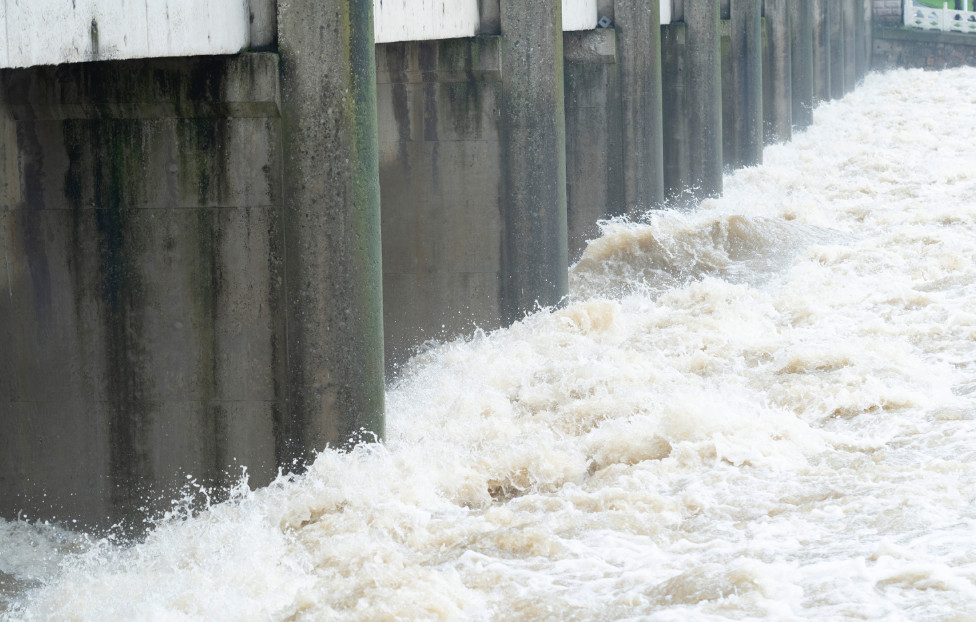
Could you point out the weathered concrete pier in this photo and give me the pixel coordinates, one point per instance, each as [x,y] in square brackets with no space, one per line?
[223,226]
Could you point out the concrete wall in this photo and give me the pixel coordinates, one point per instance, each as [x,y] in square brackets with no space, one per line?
[638,35]
[742,85]
[442,177]
[440,174]
[777,73]
[594,135]
[140,324]
[692,102]
[922,49]
[821,49]
[887,12]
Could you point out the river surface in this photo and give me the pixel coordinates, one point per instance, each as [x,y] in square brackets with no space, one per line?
[764,408]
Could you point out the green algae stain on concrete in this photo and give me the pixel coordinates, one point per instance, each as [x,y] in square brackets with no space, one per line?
[464,99]
[116,174]
[202,146]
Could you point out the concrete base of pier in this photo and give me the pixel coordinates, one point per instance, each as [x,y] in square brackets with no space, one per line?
[691,63]
[742,85]
[140,323]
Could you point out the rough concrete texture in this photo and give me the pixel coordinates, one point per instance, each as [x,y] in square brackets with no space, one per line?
[141,333]
[594,154]
[922,49]
[692,93]
[333,275]
[639,42]
[441,183]
[263,15]
[862,39]
[868,34]
[742,85]
[838,48]
[489,12]
[887,12]
[849,16]
[821,50]
[778,90]
[535,254]
[801,58]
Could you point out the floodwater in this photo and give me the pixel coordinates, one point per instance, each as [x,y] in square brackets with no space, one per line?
[761,409]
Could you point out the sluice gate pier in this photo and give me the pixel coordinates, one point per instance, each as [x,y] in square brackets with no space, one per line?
[224,223]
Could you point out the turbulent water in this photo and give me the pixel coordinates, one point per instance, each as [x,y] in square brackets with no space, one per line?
[764,408]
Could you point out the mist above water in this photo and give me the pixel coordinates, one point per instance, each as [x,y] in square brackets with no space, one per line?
[763,408]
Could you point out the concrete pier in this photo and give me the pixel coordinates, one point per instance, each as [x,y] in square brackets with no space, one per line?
[441,179]
[596,168]
[192,281]
[692,94]
[442,175]
[838,49]
[332,244]
[801,56]
[865,43]
[535,253]
[638,26]
[141,332]
[742,86]
[849,15]
[778,90]
[821,49]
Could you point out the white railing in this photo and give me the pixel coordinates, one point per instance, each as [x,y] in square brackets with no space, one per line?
[946,19]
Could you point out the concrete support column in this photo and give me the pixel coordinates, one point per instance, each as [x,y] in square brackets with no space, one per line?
[869,33]
[691,63]
[838,45]
[821,50]
[778,106]
[9,177]
[801,26]
[140,229]
[9,199]
[850,17]
[333,278]
[704,108]
[862,36]
[638,26]
[535,257]
[594,154]
[747,88]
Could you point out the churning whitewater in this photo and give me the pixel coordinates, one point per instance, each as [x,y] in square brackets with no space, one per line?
[764,408]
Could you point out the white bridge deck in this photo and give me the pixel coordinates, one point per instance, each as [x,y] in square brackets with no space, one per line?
[51,32]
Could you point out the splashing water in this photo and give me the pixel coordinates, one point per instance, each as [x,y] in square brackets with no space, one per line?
[763,408]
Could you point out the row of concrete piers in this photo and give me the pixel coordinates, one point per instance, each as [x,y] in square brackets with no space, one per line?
[213,263]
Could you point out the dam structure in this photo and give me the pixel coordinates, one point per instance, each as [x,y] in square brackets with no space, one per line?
[224,224]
